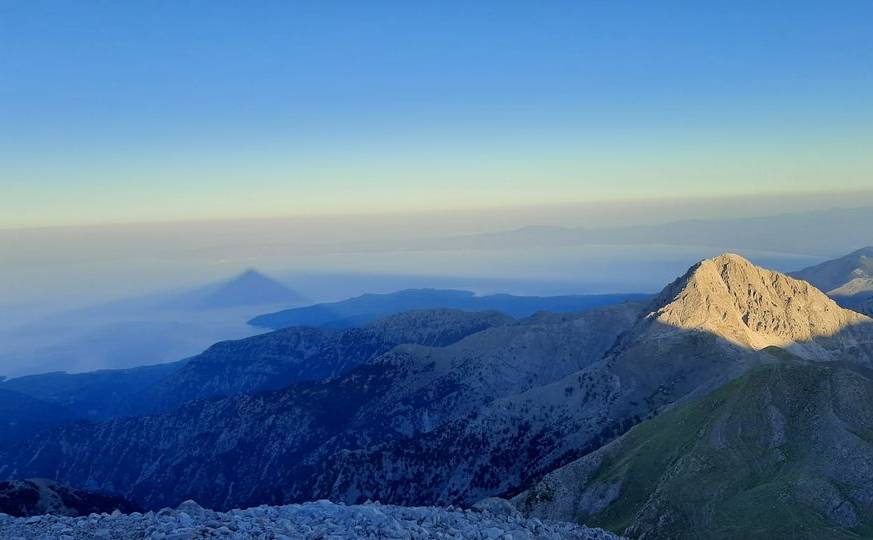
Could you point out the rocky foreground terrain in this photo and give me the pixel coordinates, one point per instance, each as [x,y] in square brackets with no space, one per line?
[314,520]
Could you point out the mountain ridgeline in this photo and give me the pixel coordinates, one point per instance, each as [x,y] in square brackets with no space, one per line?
[259,363]
[297,431]
[367,308]
[849,279]
[783,452]
[678,415]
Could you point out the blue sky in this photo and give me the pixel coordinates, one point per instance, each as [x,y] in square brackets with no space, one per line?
[152,111]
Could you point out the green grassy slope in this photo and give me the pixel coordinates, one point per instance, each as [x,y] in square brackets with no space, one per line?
[783,452]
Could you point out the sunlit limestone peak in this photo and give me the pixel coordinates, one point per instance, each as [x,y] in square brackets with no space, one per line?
[752,307]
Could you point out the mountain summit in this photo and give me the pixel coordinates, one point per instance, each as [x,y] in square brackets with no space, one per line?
[752,307]
[779,449]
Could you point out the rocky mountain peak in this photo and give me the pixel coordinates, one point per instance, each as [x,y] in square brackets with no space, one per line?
[750,306]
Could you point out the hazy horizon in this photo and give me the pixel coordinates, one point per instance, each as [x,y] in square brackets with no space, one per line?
[568,147]
[93,264]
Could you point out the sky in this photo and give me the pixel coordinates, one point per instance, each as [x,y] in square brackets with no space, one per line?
[200,110]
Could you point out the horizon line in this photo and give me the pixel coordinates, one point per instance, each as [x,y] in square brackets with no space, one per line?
[634,201]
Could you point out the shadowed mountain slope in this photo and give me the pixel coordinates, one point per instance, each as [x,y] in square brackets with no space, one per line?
[702,331]
[21,416]
[94,395]
[36,497]
[247,449]
[837,272]
[264,362]
[848,279]
[783,452]
[866,307]
[278,359]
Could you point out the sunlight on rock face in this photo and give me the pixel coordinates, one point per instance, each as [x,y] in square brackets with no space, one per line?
[753,307]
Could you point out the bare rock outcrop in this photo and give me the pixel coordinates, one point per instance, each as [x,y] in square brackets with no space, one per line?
[756,308]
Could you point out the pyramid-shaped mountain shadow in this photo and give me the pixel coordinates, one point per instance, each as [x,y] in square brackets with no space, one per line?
[488,415]
[250,288]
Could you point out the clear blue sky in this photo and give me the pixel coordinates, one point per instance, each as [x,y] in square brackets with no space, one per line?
[150,111]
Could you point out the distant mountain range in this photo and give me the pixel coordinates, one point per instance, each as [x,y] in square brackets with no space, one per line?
[734,403]
[370,307]
[95,395]
[302,427]
[849,279]
[265,362]
[485,412]
[825,232]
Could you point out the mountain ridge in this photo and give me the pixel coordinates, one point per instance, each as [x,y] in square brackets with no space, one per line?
[782,452]
[259,363]
[487,415]
[367,308]
[752,306]
[848,279]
